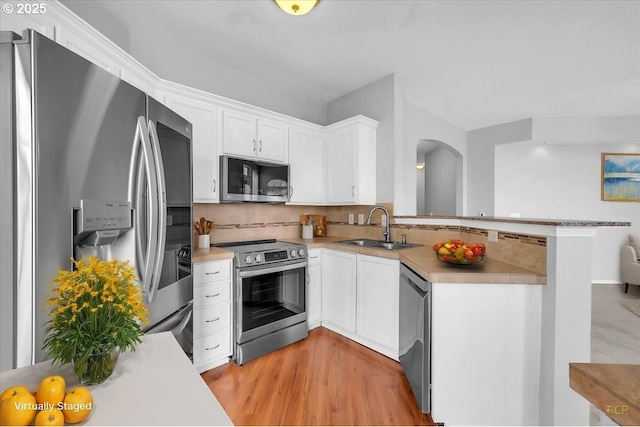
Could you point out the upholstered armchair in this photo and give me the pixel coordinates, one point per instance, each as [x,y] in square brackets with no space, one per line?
[629,267]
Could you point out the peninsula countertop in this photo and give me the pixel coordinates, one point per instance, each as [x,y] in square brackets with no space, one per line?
[155,385]
[421,259]
[612,388]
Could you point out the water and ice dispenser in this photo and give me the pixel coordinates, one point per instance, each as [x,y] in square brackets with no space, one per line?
[97,226]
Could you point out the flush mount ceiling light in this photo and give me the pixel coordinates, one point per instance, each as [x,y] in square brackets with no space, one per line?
[420,166]
[296,7]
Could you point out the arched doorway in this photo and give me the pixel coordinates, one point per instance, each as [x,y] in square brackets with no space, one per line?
[438,178]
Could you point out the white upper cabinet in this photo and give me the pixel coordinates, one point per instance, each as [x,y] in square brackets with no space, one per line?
[306,166]
[249,136]
[272,141]
[341,166]
[350,162]
[202,114]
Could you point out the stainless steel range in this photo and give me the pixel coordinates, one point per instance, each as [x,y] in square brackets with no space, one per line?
[269,296]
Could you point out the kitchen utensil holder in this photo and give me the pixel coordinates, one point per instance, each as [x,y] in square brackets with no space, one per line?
[203,240]
[307,231]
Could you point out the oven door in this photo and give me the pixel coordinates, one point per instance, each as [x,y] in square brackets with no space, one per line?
[269,299]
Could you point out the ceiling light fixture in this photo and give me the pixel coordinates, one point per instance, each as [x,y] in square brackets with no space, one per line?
[296,7]
[420,166]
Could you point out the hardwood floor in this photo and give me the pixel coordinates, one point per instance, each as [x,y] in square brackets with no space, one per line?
[325,379]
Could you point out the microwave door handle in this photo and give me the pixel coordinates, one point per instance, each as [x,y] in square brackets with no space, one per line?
[161,210]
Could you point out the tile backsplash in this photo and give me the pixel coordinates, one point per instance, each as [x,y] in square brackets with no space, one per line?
[254,221]
[250,221]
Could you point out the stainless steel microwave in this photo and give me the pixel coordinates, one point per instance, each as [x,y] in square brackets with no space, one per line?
[244,180]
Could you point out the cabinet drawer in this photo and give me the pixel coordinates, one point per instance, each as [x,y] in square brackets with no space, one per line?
[212,319]
[212,347]
[314,256]
[216,271]
[212,294]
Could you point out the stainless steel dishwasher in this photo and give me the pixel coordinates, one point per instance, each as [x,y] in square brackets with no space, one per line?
[415,334]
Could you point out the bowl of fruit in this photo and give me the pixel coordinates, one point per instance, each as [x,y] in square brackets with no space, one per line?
[459,253]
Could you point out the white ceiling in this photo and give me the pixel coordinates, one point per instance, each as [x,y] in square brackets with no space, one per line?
[473,63]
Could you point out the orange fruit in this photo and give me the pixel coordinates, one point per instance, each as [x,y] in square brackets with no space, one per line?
[11,391]
[51,390]
[50,417]
[77,405]
[19,409]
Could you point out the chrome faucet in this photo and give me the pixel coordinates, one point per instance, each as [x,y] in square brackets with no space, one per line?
[387,229]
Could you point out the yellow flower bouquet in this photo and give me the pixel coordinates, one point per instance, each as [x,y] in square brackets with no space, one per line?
[98,312]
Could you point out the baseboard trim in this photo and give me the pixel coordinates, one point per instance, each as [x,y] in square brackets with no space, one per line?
[606,282]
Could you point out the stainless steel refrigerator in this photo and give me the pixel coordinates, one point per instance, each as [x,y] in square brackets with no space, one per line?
[79,145]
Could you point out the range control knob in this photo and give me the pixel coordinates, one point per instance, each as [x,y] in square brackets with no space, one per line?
[301,252]
[247,259]
[258,258]
[293,253]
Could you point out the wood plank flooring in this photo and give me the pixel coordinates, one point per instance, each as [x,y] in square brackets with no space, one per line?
[325,379]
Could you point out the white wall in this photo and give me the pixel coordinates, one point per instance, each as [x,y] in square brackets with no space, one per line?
[562,181]
[376,101]
[101,20]
[481,162]
[420,124]
[440,182]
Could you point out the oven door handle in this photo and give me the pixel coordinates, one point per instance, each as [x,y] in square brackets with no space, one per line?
[275,269]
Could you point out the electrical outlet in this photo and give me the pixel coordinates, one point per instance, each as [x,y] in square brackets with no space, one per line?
[384,220]
[493,236]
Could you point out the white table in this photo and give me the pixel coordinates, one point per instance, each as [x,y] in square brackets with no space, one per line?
[155,385]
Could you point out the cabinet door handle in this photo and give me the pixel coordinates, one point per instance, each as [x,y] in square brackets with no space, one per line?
[215,186]
[313,257]
[214,320]
[212,296]
[353,191]
[208,273]
[260,146]
[254,145]
[212,348]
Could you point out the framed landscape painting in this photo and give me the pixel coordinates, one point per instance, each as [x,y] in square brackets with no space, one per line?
[621,177]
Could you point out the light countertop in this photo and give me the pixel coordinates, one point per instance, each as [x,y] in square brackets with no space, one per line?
[155,385]
[421,259]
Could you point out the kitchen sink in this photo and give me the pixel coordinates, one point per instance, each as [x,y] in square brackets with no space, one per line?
[378,244]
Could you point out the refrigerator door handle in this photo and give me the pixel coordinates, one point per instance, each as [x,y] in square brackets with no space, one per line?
[161,210]
[142,169]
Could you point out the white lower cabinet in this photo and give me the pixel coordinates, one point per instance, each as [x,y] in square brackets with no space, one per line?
[212,314]
[339,291]
[360,299]
[314,288]
[377,301]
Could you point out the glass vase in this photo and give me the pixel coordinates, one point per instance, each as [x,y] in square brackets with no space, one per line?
[94,368]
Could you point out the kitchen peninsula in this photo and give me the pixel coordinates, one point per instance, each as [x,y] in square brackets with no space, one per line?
[155,385]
